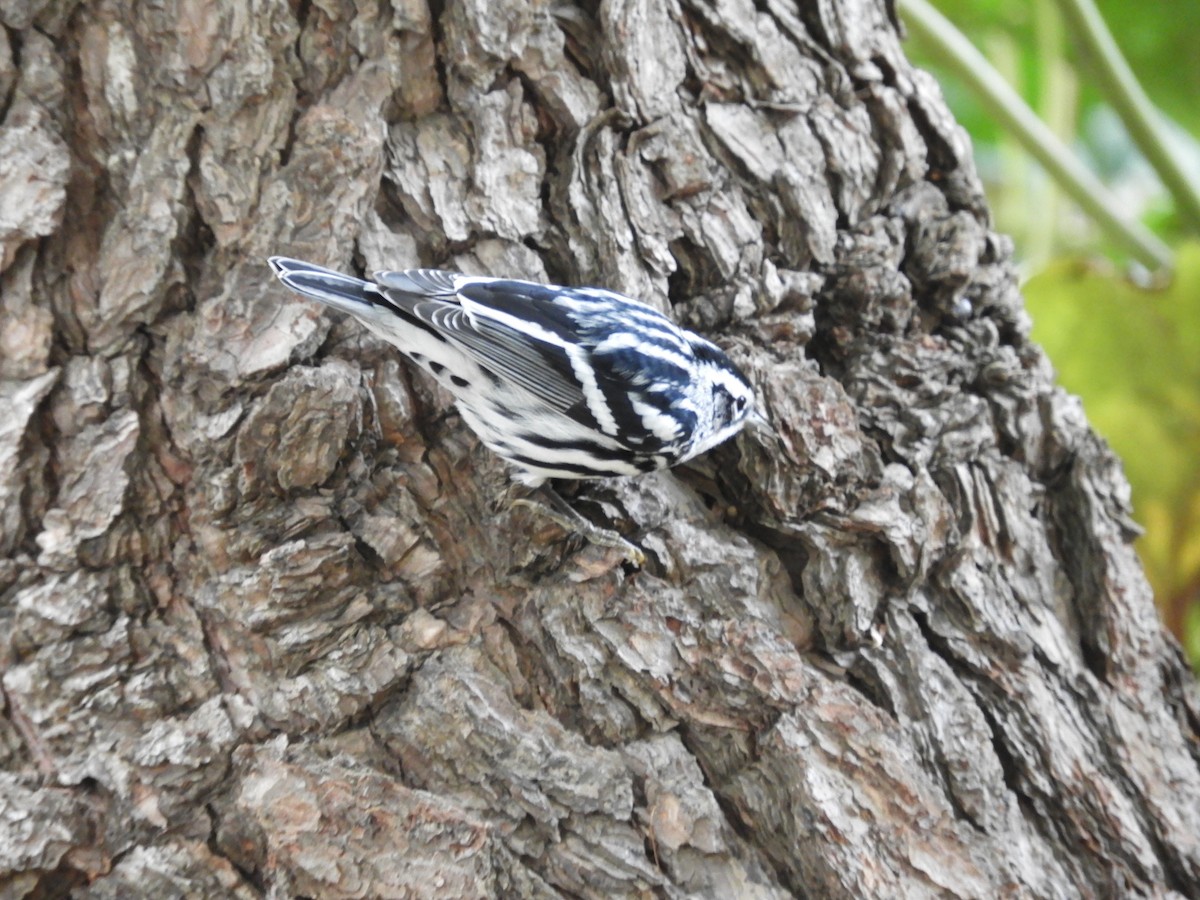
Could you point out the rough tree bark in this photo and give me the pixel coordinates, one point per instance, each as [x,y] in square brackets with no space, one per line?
[269,628]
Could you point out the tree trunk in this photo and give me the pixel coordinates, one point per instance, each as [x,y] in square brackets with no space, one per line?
[271,626]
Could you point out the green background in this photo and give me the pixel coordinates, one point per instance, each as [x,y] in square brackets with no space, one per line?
[1131,352]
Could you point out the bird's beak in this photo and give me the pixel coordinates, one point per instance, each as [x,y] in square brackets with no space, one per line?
[758,421]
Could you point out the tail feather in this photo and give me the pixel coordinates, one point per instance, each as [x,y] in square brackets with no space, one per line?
[344,292]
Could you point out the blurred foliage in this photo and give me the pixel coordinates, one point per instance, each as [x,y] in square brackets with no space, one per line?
[1131,353]
[1134,357]
[1158,38]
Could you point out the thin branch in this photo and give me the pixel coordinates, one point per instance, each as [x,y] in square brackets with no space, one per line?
[960,55]
[1121,89]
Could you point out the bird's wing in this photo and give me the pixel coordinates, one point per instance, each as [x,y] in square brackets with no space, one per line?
[512,329]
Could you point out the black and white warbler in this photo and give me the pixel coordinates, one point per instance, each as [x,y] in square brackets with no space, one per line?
[561,382]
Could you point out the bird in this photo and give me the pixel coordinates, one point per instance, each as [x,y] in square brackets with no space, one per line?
[560,382]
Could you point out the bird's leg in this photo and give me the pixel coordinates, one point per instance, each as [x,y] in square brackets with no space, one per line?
[557,510]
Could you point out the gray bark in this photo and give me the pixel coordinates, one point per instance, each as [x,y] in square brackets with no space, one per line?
[270,628]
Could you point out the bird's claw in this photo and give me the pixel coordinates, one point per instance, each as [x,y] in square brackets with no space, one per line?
[562,514]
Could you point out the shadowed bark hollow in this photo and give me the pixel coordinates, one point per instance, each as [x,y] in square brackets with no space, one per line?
[269,627]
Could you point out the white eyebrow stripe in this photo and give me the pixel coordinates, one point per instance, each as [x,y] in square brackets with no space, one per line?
[727,380]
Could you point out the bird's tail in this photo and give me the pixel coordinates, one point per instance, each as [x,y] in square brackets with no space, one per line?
[344,292]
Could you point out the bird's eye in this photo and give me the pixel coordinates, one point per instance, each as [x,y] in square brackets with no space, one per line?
[740,403]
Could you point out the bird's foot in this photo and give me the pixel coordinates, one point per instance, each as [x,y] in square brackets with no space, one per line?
[557,510]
